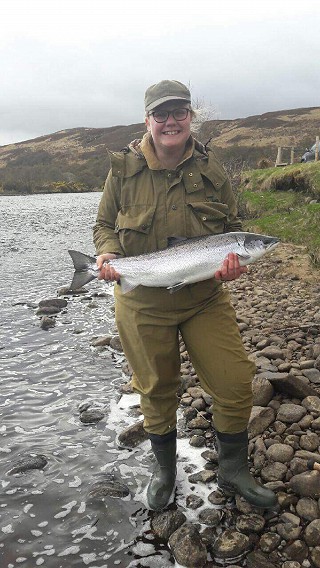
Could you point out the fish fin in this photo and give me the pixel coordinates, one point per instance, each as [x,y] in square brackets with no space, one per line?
[81,263]
[80,260]
[176,287]
[243,256]
[173,241]
[126,285]
[80,278]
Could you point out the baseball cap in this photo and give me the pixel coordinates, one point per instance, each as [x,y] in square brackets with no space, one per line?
[165,91]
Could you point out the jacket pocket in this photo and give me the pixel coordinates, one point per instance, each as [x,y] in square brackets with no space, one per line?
[133,226]
[205,217]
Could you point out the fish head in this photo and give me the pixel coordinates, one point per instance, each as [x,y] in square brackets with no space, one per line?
[257,245]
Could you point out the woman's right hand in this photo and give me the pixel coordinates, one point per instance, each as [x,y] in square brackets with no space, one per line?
[107,272]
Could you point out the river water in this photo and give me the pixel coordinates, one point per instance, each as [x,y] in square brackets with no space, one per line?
[46,517]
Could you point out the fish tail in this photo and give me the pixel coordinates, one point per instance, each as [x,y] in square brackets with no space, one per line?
[82,274]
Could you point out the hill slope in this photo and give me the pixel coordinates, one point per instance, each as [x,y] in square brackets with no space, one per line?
[76,159]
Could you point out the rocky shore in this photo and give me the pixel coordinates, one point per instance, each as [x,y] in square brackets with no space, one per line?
[278,313]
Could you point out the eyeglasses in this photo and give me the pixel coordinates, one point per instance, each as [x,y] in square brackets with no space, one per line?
[163,115]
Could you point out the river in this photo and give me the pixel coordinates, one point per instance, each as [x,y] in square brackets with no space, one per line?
[46,517]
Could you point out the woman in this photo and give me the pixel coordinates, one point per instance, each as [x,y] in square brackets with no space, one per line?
[167,185]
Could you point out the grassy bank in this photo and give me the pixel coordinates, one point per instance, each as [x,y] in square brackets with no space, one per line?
[281,202]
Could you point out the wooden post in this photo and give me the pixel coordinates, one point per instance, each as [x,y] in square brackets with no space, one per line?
[278,160]
[292,155]
[316,154]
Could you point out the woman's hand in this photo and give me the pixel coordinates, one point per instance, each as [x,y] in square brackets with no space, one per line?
[106,271]
[230,269]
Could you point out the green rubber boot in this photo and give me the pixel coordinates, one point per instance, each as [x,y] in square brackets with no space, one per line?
[164,475]
[234,475]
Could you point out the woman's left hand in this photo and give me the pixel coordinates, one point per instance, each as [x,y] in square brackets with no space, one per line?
[230,269]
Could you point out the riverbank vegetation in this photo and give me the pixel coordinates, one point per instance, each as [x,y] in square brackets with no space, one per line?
[284,202]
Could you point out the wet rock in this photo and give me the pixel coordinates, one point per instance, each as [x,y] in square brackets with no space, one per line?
[315,556]
[231,544]
[197,441]
[306,484]
[110,486]
[210,517]
[65,291]
[46,322]
[290,413]
[132,436]
[296,550]
[217,498]
[249,524]
[34,461]
[115,343]
[258,559]
[187,547]
[91,416]
[310,442]
[291,564]
[199,422]
[48,311]
[260,419]
[194,501]
[269,541]
[56,302]
[289,527]
[166,523]
[101,341]
[203,476]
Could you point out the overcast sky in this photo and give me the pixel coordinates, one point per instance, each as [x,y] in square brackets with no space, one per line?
[71,63]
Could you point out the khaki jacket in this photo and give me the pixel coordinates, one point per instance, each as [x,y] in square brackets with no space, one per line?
[143,205]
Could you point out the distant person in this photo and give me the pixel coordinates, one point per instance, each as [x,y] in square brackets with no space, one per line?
[166,185]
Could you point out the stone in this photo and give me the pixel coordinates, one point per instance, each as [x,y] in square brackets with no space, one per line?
[308,509]
[274,472]
[315,556]
[291,385]
[187,546]
[258,559]
[296,550]
[310,442]
[115,343]
[269,541]
[262,391]
[230,544]
[34,461]
[91,416]
[46,322]
[48,310]
[290,413]
[312,533]
[56,302]
[306,484]
[248,524]
[132,436]
[280,453]
[210,517]
[261,417]
[194,501]
[289,527]
[110,486]
[313,375]
[101,341]
[272,352]
[312,404]
[199,422]
[164,524]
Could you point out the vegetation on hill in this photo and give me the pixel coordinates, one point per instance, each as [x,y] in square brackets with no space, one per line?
[284,202]
[77,159]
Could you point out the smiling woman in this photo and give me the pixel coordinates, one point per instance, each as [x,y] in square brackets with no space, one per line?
[167,185]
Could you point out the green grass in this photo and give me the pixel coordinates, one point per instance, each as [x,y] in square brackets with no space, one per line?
[276,201]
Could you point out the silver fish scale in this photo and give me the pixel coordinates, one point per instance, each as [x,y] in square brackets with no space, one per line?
[190,261]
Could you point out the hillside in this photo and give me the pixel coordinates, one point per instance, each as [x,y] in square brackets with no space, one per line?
[76,159]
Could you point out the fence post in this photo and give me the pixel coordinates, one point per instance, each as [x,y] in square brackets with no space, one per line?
[278,160]
[316,154]
[292,155]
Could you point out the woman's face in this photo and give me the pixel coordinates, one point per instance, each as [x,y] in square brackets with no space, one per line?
[171,134]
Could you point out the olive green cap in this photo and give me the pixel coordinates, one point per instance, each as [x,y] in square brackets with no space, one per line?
[165,91]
